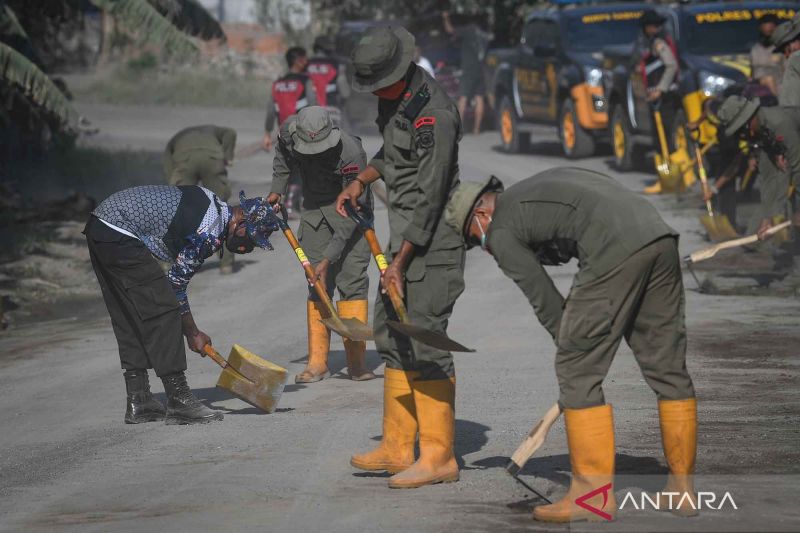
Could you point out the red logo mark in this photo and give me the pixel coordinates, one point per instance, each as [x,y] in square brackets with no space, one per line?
[581,502]
[313,134]
[351,169]
[425,121]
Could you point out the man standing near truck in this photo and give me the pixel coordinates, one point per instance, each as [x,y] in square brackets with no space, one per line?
[766,63]
[419,164]
[659,70]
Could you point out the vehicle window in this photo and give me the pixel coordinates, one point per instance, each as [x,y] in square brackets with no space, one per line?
[532,31]
[724,31]
[592,31]
[549,33]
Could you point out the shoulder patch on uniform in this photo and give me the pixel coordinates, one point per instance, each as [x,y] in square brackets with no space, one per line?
[424,121]
[425,138]
[350,169]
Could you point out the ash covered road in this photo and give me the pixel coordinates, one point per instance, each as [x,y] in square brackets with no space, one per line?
[68,463]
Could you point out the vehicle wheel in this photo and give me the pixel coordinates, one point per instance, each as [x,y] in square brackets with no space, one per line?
[625,153]
[575,141]
[513,140]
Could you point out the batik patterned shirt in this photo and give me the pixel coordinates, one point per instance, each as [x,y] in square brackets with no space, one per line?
[147,213]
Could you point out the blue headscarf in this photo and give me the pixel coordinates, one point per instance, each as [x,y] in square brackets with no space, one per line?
[260,220]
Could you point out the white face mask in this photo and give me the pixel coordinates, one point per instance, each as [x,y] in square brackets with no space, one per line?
[483,233]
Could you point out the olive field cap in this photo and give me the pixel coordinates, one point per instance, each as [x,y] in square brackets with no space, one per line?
[786,33]
[381,57]
[735,112]
[460,205]
[314,131]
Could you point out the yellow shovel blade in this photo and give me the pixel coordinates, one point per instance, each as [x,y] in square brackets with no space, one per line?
[269,379]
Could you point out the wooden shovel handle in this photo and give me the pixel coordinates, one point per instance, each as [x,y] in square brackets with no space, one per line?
[534,440]
[380,259]
[215,355]
[701,169]
[322,292]
[711,251]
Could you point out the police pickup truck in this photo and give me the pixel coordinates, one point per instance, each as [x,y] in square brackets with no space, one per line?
[713,41]
[554,77]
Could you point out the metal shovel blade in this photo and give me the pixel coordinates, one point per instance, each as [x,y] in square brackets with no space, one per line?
[350,328]
[426,336]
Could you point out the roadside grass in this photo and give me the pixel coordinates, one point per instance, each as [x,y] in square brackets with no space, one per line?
[131,86]
[97,172]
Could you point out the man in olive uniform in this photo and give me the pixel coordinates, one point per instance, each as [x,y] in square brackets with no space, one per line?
[787,41]
[327,159]
[659,70]
[775,134]
[419,164]
[765,61]
[200,155]
[628,285]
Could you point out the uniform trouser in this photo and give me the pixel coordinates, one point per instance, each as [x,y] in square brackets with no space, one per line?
[144,311]
[669,106]
[200,168]
[429,302]
[349,273]
[641,300]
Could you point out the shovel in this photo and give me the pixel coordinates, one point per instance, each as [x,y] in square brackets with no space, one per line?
[669,173]
[532,442]
[249,377]
[711,251]
[350,328]
[404,326]
[718,226]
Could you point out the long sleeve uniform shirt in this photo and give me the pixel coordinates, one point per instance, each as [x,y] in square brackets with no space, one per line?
[216,141]
[567,213]
[323,179]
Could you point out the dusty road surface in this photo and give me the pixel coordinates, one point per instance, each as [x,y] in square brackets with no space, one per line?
[68,463]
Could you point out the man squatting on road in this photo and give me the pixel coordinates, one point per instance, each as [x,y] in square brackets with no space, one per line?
[419,164]
[149,309]
[628,285]
[327,159]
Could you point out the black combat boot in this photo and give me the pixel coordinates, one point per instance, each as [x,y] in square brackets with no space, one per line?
[142,407]
[182,406]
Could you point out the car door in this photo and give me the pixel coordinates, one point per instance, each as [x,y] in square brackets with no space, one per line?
[528,74]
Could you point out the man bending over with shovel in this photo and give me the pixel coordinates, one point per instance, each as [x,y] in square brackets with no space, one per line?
[628,285]
[327,160]
[149,310]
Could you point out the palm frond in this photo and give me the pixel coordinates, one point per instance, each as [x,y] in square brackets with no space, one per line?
[141,17]
[19,71]
[195,20]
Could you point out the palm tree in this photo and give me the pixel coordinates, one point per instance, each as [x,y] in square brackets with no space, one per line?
[170,24]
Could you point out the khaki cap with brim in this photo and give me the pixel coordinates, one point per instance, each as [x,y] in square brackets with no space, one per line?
[735,112]
[314,131]
[786,33]
[381,58]
[460,205]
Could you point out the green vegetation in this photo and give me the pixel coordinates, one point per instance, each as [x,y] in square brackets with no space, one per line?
[134,85]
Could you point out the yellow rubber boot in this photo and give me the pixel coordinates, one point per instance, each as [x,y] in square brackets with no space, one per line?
[395,453]
[679,437]
[590,436]
[319,343]
[355,350]
[654,188]
[435,402]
